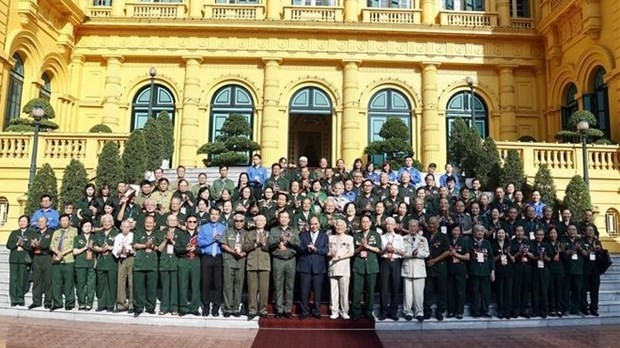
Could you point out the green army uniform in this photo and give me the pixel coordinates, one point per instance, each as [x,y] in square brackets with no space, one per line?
[573,283]
[556,281]
[509,227]
[169,274]
[481,264]
[132,212]
[107,270]
[408,191]
[280,183]
[19,261]
[63,271]
[180,217]
[591,275]
[435,287]
[234,270]
[295,201]
[327,221]
[283,264]
[530,227]
[391,204]
[364,271]
[196,187]
[141,198]
[186,199]
[258,266]
[159,221]
[582,227]
[272,216]
[219,185]
[41,267]
[457,276]
[189,271]
[540,277]
[431,206]
[365,202]
[145,273]
[85,278]
[522,276]
[381,192]
[301,220]
[162,199]
[421,218]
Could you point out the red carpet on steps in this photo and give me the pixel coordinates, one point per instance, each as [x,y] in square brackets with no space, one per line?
[313,333]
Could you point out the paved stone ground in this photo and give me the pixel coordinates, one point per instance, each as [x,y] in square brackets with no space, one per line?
[35,333]
[565,337]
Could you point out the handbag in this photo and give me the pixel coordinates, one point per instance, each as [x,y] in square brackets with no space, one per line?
[603,261]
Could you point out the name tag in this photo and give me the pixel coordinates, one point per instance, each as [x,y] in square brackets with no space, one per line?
[532,237]
[444,229]
[406,199]
[592,257]
[504,260]
[169,249]
[541,264]
[480,257]
[524,259]
[363,254]
[574,257]
[455,259]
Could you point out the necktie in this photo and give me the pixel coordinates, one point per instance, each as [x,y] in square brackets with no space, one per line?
[61,240]
[214,245]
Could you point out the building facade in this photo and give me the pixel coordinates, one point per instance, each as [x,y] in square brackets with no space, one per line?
[315,77]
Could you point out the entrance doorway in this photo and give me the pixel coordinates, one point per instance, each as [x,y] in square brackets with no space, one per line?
[310,136]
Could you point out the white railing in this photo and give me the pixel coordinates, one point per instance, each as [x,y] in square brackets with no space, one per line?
[391,15]
[156,10]
[313,13]
[234,12]
[468,18]
[522,23]
[99,11]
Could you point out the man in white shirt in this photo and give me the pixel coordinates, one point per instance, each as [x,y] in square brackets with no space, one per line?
[391,254]
[340,252]
[124,253]
[414,271]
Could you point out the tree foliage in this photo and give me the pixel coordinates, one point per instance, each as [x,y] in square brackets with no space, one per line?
[543,183]
[100,128]
[513,170]
[44,183]
[154,144]
[570,134]
[167,132]
[233,144]
[395,144]
[488,166]
[74,180]
[109,166]
[134,157]
[473,149]
[456,142]
[577,197]
[44,103]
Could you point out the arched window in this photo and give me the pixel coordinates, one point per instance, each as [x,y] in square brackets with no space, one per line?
[228,100]
[612,222]
[46,88]
[459,106]
[383,104]
[598,101]
[569,105]
[102,2]
[4,210]
[464,5]
[14,95]
[310,100]
[163,100]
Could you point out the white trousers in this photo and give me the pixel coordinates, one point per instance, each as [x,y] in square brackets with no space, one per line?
[413,294]
[339,294]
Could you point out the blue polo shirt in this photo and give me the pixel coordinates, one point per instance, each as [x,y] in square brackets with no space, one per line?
[51,215]
[208,238]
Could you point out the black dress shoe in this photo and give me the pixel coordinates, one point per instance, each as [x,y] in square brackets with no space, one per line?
[215,314]
[47,306]
[137,313]
[33,306]
[408,317]
[251,316]
[69,308]
[13,304]
[381,317]
[263,314]
[459,316]
[130,310]
[288,315]
[302,317]
[53,308]
[205,313]
[486,316]
[439,316]
[236,315]
[195,313]
[226,315]
[100,309]
[450,315]
[278,315]
[427,316]
[150,311]
[420,318]
[317,315]
[394,317]
[109,310]
[182,314]
[594,313]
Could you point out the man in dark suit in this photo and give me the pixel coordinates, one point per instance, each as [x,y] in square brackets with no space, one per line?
[311,267]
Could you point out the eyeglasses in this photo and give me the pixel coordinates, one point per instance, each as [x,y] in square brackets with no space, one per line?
[192,222]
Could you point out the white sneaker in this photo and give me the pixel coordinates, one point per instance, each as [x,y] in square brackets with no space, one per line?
[333,316]
[345,316]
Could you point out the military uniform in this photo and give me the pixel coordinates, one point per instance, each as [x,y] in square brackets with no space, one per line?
[365,269]
[234,270]
[436,275]
[41,267]
[84,266]
[219,185]
[365,202]
[189,270]
[283,265]
[107,270]
[19,261]
[457,277]
[591,276]
[162,199]
[169,273]
[481,264]
[530,226]
[543,253]
[63,268]
[556,281]
[503,278]
[159,220]
[258,265]
[522,276]
[281,183]
[145,273]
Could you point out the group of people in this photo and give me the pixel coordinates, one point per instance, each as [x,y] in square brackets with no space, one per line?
[428,243]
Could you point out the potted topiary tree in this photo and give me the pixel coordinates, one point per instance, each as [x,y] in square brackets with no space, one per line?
[232,146]
[395,144]
[26,124]
[44,182]
[100,128]
[570,134]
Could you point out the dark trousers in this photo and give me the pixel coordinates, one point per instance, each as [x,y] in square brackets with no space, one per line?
[189,278]
[573,286]
[211,268]
[390,286]
[435,290]
[363,282]
[456,293]
[481,288]
[18,276]
[591,284]
[522,279]
[315,282]
[556,292]
[503,295]
[540,291]
[42,279]
[62,284]
[145,290]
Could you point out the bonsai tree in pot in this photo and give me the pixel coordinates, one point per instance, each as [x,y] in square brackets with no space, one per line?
[395,144]
[232,146]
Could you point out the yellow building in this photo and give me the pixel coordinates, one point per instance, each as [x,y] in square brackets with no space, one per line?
[314,77]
